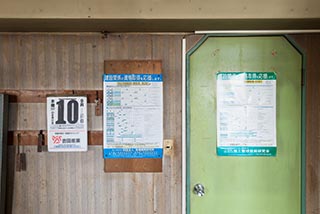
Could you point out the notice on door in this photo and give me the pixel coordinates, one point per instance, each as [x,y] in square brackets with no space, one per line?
[133,116]
[246,114]
[67,123]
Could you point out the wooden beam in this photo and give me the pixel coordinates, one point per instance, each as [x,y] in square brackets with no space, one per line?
[30,137]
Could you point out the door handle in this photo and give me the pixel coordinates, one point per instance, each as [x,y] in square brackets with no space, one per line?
[198,189]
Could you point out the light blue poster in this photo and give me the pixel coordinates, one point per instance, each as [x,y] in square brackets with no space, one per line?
[133,116]
[246,114]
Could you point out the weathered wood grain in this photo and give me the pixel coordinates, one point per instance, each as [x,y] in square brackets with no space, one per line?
[133,165]
[131,186]
[68,183]
[32,116]
[40,96]
[30,137]
[133,66]
[310,45]
[169,182]
[52,62]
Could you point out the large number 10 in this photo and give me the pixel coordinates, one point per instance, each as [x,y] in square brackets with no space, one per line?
[72,112]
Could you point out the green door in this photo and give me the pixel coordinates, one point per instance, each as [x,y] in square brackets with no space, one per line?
[244,184]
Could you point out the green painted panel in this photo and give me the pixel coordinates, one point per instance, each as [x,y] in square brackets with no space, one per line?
[244,185]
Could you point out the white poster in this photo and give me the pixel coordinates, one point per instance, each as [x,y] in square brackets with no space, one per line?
[67,123]
[246,114]
[133,116]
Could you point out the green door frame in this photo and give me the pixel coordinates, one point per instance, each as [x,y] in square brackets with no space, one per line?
[303,113]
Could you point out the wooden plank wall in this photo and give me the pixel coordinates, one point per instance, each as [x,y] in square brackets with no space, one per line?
[75,182]
[310,44]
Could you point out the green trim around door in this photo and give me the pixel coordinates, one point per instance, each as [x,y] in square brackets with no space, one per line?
[303,115]
[303,121]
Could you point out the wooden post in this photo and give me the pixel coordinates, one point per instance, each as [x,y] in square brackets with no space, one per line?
[3,149]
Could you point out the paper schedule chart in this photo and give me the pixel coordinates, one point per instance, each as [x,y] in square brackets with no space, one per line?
[246,114]
[133,115]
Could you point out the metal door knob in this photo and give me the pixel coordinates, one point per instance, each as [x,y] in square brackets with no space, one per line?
[198,189]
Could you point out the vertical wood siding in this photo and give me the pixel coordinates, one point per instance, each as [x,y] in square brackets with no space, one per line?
[75,182]
[310,44]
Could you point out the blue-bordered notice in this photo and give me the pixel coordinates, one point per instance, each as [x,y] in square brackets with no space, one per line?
[246,114]
[133,115]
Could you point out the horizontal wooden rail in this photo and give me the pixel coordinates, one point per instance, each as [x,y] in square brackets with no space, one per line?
[30,137]
[40,96]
